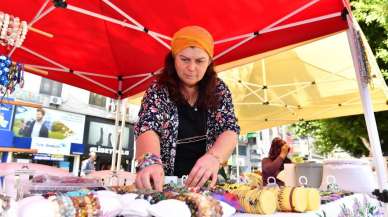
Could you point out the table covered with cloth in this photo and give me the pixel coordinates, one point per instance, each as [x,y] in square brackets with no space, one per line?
[356,205]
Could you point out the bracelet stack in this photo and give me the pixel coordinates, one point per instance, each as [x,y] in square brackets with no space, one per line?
[147,160]
[5,203]
[12,30]
[75,204]
[201,205]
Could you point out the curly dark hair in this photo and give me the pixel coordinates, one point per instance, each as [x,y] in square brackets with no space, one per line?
[276,147]
[207,99]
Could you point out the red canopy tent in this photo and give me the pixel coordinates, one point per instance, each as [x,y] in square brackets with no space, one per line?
[115,48]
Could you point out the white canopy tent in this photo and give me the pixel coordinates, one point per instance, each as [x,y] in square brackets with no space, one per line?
[316,79]
[309,81]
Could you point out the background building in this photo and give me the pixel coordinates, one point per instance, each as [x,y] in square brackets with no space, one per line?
[97,115]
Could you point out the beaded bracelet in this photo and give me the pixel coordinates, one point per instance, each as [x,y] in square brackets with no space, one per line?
[66,205]
[79,193]
[147,160]
[77,206]
[89,205]
[82,212]
[62,208]
[200,205]
[56,206]
[92,205]
[12,30]
[5,203]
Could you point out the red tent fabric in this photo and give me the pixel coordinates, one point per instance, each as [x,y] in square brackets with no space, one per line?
[98,55]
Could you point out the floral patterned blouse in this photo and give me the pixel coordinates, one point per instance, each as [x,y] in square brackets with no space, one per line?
[160,114]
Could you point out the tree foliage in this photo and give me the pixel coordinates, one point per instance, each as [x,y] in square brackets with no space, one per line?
[372,16]
[347,132]
[344,132]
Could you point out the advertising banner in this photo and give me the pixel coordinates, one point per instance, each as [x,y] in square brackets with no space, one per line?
[51,131]
[50,146]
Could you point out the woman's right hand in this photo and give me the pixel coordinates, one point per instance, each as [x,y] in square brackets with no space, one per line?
[155,173]
[284,151]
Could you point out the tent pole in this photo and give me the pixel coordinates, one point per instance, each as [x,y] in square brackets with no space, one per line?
[94,82]
[136,76]
[133,162]
[112,167]
[137,84]
[120,149]
[368,109]
[237,164]
[137,25]
[43,58]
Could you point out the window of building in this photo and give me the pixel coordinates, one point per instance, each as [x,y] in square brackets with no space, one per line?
[252,141]
[50,87]
[242,150]
[97,100]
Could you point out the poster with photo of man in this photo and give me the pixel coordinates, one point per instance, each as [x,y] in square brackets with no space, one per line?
[48,123]
[51,131]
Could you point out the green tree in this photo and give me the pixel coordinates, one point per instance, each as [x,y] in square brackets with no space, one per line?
[349,133]
[346,133]
[372,16]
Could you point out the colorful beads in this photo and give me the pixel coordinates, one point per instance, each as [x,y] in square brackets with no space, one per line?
[10,75]
[147,160]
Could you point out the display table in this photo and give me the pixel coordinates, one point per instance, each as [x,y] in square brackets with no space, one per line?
[335,209]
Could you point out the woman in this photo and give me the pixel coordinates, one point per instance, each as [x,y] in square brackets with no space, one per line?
[187,124]
[274,164]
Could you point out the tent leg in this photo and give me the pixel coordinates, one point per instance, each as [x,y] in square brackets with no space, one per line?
[120,149]
[118,105]
[368,110]
[237,165]
[133,162]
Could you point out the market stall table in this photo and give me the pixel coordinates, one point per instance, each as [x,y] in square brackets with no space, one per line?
[352,203]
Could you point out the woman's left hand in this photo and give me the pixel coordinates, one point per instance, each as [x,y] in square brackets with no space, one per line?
[205,168]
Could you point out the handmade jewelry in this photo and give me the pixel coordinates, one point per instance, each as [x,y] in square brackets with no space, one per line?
[123,189]
[67,208]
[10,75]
[200,205]
[55,203]
[5,203]
[79,193]
[12,31]
[147,160]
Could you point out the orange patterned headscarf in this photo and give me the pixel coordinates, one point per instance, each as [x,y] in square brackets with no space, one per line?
[192,36]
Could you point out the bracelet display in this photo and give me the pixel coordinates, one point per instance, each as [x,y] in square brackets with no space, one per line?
[147,160]
[66,206]
[5,203]
[12,30]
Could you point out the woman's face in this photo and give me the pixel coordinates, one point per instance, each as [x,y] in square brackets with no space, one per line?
[191,64]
